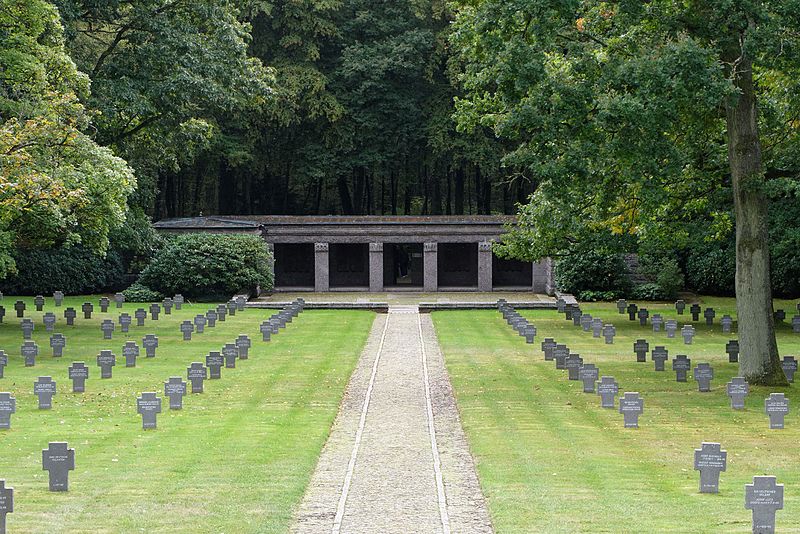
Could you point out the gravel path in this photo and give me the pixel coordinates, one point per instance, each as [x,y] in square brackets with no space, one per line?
[397,459]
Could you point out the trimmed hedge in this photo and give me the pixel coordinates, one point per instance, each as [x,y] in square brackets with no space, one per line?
[593,274]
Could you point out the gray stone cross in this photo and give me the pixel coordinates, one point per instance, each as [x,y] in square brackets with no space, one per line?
[107,326]
[659,356]
[140,314]
[87,310]
[588,374]
[29,351]
[641,348]
[657,321]
[38,301]
[78,373]
[222,311]
[49,320]
[150,344]
[561,305]
[69,315]
[643,315]
[149,406]
[197,373]
[608,389]
[703,374]
[119,298]
[124,322]
[230,353]
[178,300]
[187,328]
[681,365]
[586,322]
[631,407]
[621,305]
[732,348]
[764,497]
[155,309]
[2,313]
[104,303]
[27,328]
[175,389]
[796,324]
[547,347]
[3,362]
[680,305]
[8,406]
[727,324]
[231,308]
[573,365]
[560,353]
[737,388]
[57,343]
[58,298]
[710,459]
[59,460]
[597,327]
[671,326]
[106,360]
[789,365]
[695,311]
[243,344]
[608,333]
[688,333]
[19,307]
[200,323]
[632,309]
[240,303]
[709,314]
[776,407]
[266,330]
[167,303]
[130,352]
[6,504]
[214,362]
[576,316]
[528,332]
[780,316]
[44,388]
[211,317]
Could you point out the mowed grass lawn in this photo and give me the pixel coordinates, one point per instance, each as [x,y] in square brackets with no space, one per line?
[237,458]
[550,459]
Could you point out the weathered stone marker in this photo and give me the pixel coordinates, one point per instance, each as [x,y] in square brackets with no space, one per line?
[710,459]
[29,351]
[58,298]
[547,347]
[150,344]
[104,303]
[657,321]
[211,318]
[155,309]
[8,406]
[70,314]
[197,373]
[167,303]
[78,373]
[124,322]
[3,362]
[106,360]
[608,389]
[2,313]
[87,310]
[119,298]
[266,330]
[149,406]
[140,314]
[586,322]
[632,309]
[19,307]
[695,311]
[709,314]
[631,407]
[688,334]
[789,365]
[764,497]
[214,362]
[49,320]
[608,333]
[659,356]
[643,314]
[561,305]
[187,328]
[222,311]
[681,365]
[727,324]
[780,316]
[776,407]
[573,365]
[38,301]
[57,343]
[130,352]
[27,327]
[6,504]
[243,344]
[588,374]
[178,300]
[671,326]
[703,374]
[621,305]
[107,326]
[44,388]
[796,324]
[240,303]
[59,460]
[231,308]
[732,348]
[200,323]
[680,305]
[597,327]
[560,354]
[230,352]
[175,389]
[737,388]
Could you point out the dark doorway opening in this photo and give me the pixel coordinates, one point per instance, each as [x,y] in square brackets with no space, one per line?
[294,265]
[457,265]
[402,265]
[511,273]
[349,265]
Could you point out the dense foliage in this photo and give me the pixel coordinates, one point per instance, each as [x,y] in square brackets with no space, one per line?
[210,266]
[594,274]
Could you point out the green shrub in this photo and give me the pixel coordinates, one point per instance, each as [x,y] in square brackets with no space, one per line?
[210,266]
[139,293]
[665,274]
[136,241]
[74,270]
[596,296]
[649,291]
[711,269]
[595,271]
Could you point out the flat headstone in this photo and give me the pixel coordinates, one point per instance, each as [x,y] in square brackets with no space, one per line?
[57,343]
[19,307]
[150,344]
[659,356]
[643,314]
[107,326]
[776,407]
[695,311]
[597,327]
[149,406]
[155,309]
[119,299]
[211,318]
[124,322]
[44,388]
[608,389]
[187,328]
[105,302]
[657,321]
[789,365]
[680,305]
[621,305]
[608,333]
[671,326]
[764,497]
[27,327]
[727,324]
[222,311]
[214,362]
[796,324]
[688,334]
[70,314]
[632,309]
[737,389]
[197,373]
[140,314]
[681,365]
[6,504]
[732,348]
[58,298]
[87,308]
[3,362]
[703,374]
[710,459]
[709,315]
[631,407]
[49,320]
[780,316]
[573,365]
[29,351]
[167,303]
[200,323]
[106,360]
[78,373]
[178,300]
[547,347]
[230,352]
[38,302]
[130,352]
[588,374]
[175,389]
[8,406]
[58,459]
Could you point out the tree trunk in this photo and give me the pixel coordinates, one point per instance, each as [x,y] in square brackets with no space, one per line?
[758,362]
[344,194]
[458,191]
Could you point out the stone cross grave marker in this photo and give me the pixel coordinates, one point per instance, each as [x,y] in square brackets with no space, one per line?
[621,305]
[150,344]
[631,406]
[576,316]
[671,326]
[44,388]
[106,360]
[789,365]
[119,299]
[780,316]
[107,326]
[78,373]
[214,362]
[6,504]
[200,323]
[3,362]
[608,333]
[764,497]
[19,307]
[230,353]
[695,311]
[547,347]
[155,309]
[29,351]
[737,388]
[104,303]
[608,389]
[38,301]
[8,406]
[732,348]
[528,332]
[178,300]
[586,322]
[710,459]
[70,314]
[211,318]
[660,355]
[641,348]
[87,310]
[124,322]
[681,365]
[167,303]
[243,343]
[632,309]
[796,324]
[643,315]
[187,328]
[59,460]
[266,330]
[197,373]
[703,374]
[688,333]
[222,311]
[657,321]
[240,303]
[175,389]
[58,298]
[727,324]
[57,343]
[776,407]
[680,305]
[49,320]
[709,314]
[573,364]
[561,305]
[231,308]
[588,374]
[130,352]
[149,406]
[140,314]
[597,327]
[27,328]
[2,313]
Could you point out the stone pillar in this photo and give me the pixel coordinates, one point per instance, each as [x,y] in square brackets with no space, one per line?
[321,268]
[430,259]
[485,266]
[544,277]
[271,250]
[376,267]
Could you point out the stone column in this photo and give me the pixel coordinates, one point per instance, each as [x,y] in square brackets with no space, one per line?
[271,249]
[376,267]
[321,268]
[544,277]
[485,266]
[430,259]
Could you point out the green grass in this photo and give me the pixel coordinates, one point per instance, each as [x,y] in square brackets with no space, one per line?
[236,458]
[550,459]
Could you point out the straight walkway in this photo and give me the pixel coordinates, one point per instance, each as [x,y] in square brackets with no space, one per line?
[397,459]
